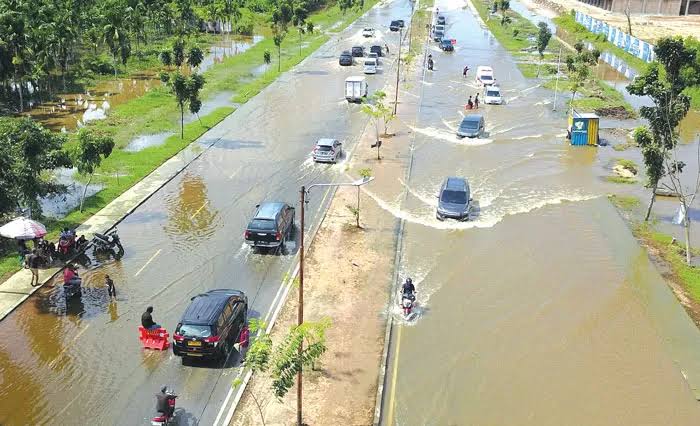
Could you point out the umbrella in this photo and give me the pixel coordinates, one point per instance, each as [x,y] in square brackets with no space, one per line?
[22,228]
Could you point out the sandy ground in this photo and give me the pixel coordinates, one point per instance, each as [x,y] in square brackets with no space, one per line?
[348,277]
[646,27]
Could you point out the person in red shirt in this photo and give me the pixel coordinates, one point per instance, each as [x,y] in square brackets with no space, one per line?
[243,341]
[69,274]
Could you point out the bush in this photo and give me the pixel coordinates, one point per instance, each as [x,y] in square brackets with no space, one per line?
[550,69]
[515,32]
[99,65]
[244,26]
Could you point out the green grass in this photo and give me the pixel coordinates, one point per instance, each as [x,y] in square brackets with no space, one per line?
[157,112]
[630,143]
[694,93]
[626,203]
[529,70]
[620,179]
[686,276]
[598,97]
[627,164]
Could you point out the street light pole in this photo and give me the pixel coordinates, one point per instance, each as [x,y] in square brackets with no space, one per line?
[398,66]
[556,85]
[300,309]
[300,312]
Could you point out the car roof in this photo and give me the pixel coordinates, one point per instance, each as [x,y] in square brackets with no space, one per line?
[484,68]
[206,307]
[358,47]
[472,117]
[269,210]
[325,142]
[355,78]
[454,183]
[345,52]
[376,46]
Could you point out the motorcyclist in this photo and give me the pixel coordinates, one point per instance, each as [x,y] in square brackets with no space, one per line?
[408,289]
[163,402]
[70,275]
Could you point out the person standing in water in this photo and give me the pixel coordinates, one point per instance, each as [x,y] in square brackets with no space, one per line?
[476,101]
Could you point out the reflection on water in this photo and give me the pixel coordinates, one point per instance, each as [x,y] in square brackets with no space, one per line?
[231,46]
[191,219]
[146,141]
[58,205]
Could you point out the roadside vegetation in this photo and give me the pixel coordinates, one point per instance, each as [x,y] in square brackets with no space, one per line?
[524,40]
[158,110]
[661,246]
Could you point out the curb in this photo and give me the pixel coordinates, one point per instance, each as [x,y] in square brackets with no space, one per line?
[388,336]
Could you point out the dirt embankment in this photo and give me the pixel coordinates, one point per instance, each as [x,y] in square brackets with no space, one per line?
[348,277]
[646,27]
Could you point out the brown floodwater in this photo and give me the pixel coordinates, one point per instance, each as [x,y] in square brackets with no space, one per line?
[542,309]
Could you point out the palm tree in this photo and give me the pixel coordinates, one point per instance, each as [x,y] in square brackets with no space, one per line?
[114,33]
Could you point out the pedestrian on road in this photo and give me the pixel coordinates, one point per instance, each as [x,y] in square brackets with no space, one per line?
[464,73]
[470,104]
[386,46]
[147,320]
[243,341]
[476,101]
[111,290]
[32,263]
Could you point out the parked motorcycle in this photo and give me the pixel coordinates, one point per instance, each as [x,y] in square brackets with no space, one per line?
[107,243]
[164,419]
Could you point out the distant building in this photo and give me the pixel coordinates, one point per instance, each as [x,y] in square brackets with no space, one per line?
[651,7]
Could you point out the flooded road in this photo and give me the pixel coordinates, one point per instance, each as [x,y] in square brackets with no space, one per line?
[542,309]
[82,363]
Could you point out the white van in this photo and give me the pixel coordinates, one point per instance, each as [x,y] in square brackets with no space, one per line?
[370,66]
[492,95]
[355,89]
[484,75]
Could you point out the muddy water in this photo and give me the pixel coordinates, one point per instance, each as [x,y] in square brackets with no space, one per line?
[536,311]
[82,363]
[69,113]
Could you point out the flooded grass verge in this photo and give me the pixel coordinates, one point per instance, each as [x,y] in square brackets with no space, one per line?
[156,112]
[667,254]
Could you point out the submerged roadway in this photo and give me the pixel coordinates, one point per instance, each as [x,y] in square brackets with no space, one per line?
[541,310]
[82,363]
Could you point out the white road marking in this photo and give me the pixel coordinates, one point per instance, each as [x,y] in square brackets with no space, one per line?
[147,263]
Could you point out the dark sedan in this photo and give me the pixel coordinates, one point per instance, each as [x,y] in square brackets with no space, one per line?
[345,58]
[446,45]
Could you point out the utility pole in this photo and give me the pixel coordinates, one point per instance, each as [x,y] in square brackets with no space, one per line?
[300,312]
[556,85]
[398,66]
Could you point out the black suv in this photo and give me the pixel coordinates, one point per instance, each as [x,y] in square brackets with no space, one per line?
[358,51]
[376,49]
[211,324]
[271,226]
[345,58]
[395,25]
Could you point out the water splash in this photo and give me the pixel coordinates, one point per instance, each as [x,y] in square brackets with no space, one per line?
[518,138]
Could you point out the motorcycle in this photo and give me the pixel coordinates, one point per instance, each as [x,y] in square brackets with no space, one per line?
[407,302]
[73,288]
[107,242]
[164,419]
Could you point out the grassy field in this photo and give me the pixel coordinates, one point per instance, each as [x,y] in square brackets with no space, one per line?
[597,96]
[157,112]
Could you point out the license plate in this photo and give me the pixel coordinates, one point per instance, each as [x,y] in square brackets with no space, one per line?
[192,354]
[194,343]
[262,235]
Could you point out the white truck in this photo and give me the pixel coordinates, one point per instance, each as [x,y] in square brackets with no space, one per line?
[355,89]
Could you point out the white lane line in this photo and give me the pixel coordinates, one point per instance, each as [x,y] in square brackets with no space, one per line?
[275,306]
[200,209]
[147,263]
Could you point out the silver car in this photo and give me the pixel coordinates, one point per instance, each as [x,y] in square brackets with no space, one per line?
[328,151]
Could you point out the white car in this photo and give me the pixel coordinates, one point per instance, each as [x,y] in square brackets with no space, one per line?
[373,55]
[492,95]
[370,66]
[368,32]
[484,75]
